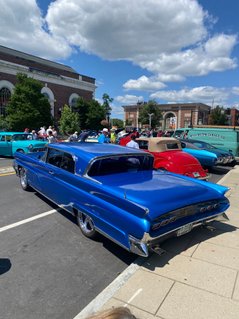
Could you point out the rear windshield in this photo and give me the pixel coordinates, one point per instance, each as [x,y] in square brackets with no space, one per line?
[121,164]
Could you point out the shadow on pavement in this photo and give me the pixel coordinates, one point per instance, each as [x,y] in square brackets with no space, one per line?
[175,246]
[5,265]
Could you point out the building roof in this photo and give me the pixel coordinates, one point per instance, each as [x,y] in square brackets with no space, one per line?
[168,105]
[30,57]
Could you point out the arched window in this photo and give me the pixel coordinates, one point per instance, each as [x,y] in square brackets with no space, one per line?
[46,95]
[74,102]
[5,95]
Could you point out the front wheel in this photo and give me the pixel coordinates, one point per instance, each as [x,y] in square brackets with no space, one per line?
[86,225]
[23,180]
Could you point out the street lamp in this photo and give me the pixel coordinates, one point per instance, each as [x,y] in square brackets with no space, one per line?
[150,116]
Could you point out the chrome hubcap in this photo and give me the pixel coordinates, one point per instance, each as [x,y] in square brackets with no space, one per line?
[23,178]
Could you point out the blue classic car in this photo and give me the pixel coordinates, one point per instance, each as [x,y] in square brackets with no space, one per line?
[223,157]
[11,142]
[114,191]
[206,158]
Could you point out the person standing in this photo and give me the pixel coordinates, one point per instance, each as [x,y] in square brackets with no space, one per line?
[133,143]
[103,138]
[51,138]
[112,137]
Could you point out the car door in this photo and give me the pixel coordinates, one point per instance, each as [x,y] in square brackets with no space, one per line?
[5,145]
[56,176]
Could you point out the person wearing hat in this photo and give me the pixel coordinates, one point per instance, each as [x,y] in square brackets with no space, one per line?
[103,138]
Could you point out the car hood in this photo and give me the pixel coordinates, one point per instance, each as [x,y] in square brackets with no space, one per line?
[160,191]
[200,152]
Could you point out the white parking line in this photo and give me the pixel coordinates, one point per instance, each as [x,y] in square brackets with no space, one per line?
[27,220]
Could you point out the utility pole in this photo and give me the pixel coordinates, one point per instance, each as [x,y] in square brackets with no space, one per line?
[150,116]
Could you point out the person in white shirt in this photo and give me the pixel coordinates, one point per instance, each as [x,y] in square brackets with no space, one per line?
[132,143]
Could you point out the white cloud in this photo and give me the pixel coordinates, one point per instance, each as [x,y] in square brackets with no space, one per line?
[167,38]
[128,99]
[144,83]
[204,94]
[235,90]
[23,28]
[115,29]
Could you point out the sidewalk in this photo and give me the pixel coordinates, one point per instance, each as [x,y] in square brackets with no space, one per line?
[196,278]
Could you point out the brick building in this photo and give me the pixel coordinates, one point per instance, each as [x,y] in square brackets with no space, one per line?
[62,85]
[174,115]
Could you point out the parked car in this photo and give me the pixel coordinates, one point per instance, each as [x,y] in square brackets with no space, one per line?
[169,156]
[206,158]
[11,142]
[115,191]
[224,157]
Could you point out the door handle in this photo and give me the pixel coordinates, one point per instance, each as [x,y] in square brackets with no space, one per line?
[51,172]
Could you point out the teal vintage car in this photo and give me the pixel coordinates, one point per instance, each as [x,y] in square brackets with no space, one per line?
[11,142]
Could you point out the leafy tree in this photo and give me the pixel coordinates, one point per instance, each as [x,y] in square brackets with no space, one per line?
[69,121]
[106,104]
[128,122]
[94,115]
[28,107]
[150,108]
[4,126]
[117,122]
[82,108]
[217,116]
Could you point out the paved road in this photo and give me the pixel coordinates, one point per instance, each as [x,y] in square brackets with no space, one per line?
[47,268]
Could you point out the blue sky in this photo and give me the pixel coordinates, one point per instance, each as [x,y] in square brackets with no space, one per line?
[171,51]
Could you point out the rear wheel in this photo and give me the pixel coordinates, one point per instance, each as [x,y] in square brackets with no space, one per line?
[23,180]
[86,225]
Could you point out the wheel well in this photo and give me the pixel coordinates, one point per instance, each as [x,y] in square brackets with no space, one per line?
[20,150]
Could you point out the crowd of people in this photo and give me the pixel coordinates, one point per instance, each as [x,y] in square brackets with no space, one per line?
[48,134]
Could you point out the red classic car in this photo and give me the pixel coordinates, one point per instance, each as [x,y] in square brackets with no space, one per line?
[168,155]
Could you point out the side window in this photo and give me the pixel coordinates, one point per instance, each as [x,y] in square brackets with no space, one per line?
[54,157]
[199,145]
[143,145]
[61,159]
[172,146]
[68,163]
[8,138]
[2,138]
[183,145]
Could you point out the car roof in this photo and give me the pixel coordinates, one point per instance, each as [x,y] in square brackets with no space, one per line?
[88,151]
[12,133]
[159,144]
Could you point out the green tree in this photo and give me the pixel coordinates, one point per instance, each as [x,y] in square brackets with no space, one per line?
[82,108]
[28,107]
[117,122]
[150,108]
[95,115]
[217,116]
[106,104]
[69,121]
[4,125]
